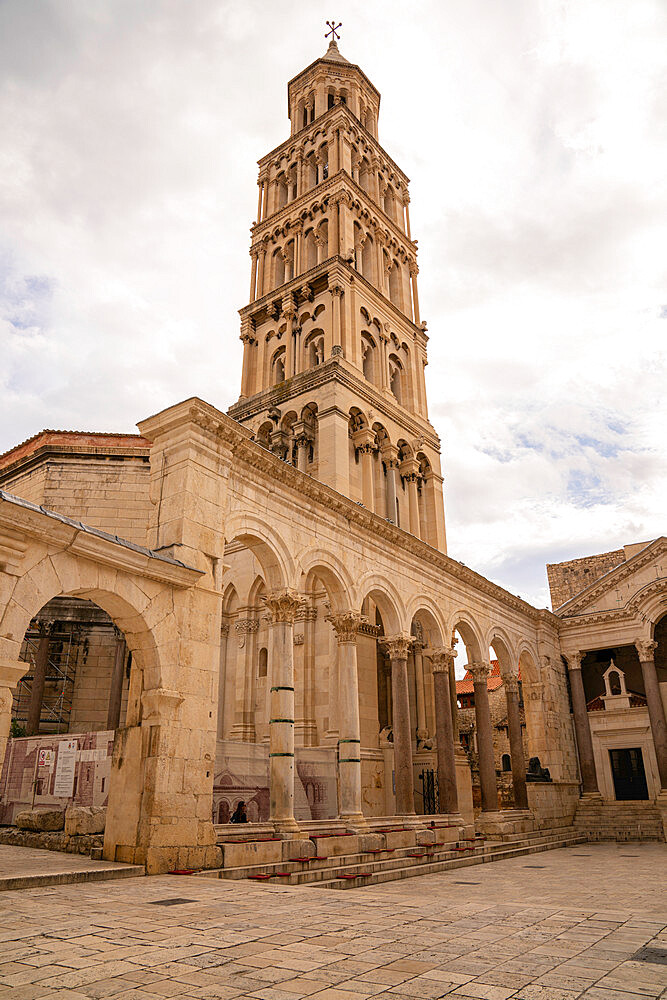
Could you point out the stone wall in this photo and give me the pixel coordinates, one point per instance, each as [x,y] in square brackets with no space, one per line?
[566,579]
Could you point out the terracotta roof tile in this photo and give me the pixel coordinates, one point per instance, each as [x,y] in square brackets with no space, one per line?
[99,439]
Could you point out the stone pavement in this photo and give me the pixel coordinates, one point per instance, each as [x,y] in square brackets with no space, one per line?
[587,921]
[21,867]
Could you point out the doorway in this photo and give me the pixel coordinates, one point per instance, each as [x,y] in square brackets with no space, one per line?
[627,768]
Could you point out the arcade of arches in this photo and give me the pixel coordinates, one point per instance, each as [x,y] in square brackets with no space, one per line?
[260,605]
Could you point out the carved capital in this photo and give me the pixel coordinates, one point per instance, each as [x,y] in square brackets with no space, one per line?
[479,671]
[397,646]
[346,625]
[645,649]
[283,605]
[336,291]
[511,683]
[441,658]
[574,660]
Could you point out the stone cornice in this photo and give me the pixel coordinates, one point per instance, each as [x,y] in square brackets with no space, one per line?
[321,193]
[328,119]
[20,521]
[335,368]
[237,440]
[615,576]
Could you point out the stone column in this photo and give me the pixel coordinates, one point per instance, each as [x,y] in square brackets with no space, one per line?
[410,471]
[407,216]
[390,459]
[282,606]
[247,373]
[582,727]
[349,743]
[253,275]
[511,685]
[414,271]
[116,690]
[487,767]
[656,712]
[364,442]
[38,680]
[417,652]
[303,439]
[336,328]
[260,187]
[447,787]
[260,272]
[397,649]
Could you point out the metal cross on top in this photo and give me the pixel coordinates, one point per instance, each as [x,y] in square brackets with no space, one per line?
[333,30]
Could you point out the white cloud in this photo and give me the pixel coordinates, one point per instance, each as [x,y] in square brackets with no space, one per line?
[535,139]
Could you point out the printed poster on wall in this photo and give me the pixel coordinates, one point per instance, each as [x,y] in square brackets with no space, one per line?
[63,787]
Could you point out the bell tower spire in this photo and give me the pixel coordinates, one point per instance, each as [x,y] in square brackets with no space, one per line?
[334,346]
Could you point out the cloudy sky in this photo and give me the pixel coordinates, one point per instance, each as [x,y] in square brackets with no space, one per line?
[535,136]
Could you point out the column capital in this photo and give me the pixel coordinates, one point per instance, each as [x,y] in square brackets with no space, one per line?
[511,683]
[346,625]
[574,660]
[441,657]
[283,605]
[337,291]
[397,646]
[480,672]
[645,649]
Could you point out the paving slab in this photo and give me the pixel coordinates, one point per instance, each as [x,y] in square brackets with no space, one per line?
[579,927]
[28,867]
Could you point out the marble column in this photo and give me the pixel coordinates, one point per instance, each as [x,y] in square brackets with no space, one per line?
[336,325]
[656,711]
[117,677]
[410,471]
[447,787]
[364,442]
[582,727]
[414,271]
[511,685]
[417,652]
[38,680]
[397,649]
[282,606]
[346,626]
[253,275]
[487,766]
[260,273]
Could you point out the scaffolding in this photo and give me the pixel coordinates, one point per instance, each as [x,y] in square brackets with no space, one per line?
[65,640]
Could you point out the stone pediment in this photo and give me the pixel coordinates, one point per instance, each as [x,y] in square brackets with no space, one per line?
[625,586]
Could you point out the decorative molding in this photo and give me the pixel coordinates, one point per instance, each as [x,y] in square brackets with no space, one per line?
[616,575]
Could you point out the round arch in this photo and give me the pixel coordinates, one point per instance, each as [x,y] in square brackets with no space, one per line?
[137,612]
[464,623]
[269,548]
[503,648]
[333,574]
[427,607]
[385,595]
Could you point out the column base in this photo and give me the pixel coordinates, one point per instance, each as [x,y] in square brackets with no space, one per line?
[500,823]
[356,822]
[287,828]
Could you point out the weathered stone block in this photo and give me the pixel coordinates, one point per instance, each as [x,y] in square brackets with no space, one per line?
[41,820]
[84,820]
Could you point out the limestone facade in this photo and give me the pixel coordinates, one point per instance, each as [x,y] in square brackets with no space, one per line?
[286,614]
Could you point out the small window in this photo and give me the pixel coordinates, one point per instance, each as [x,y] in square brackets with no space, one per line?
[263,662]
[330,101]
[506,762]
[305,117]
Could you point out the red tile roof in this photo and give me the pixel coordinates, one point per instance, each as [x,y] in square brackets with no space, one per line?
[91,439]
[597,704]
[494,680]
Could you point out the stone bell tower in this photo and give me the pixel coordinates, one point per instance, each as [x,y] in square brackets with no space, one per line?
[334,348]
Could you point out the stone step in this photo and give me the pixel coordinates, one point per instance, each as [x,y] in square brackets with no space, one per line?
[499,853]
[318,870]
